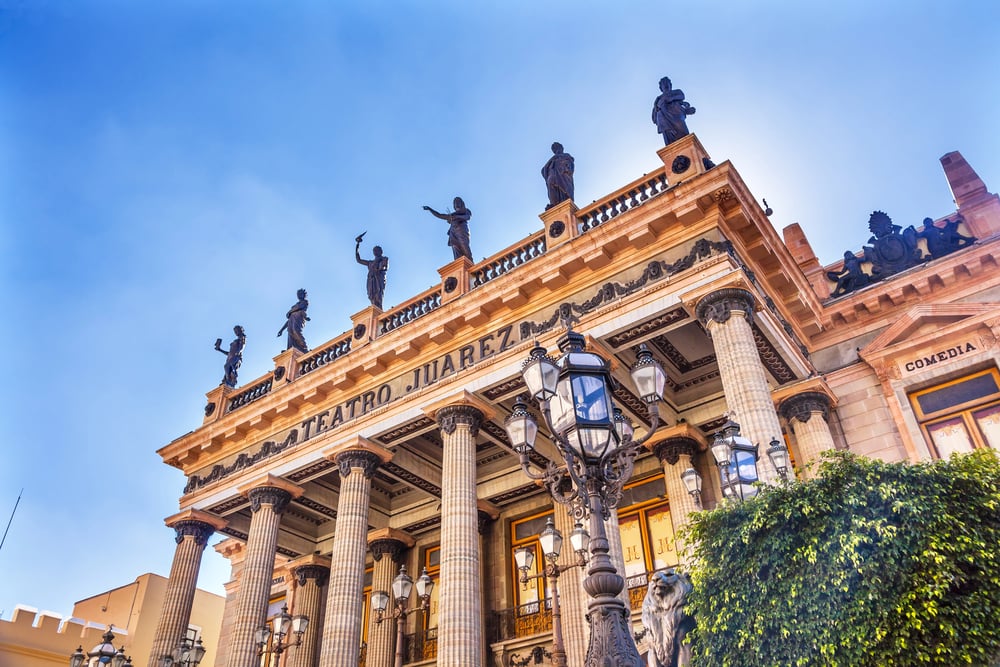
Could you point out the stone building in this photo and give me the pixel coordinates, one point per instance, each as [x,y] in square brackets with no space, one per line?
[385,446]
[32,639]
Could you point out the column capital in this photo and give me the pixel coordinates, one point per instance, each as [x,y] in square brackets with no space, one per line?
[198,524]
[802,406]
[671,449]
[315,571]
[389,541]
[461,408]
[358,453]
[719,305]
[270,490]
[486,513]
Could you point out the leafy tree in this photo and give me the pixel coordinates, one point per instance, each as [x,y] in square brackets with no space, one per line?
[870,563]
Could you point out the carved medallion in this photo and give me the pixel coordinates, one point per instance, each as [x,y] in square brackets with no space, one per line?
[681,164]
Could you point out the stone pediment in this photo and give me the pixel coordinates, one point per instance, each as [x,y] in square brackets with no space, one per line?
[929,321]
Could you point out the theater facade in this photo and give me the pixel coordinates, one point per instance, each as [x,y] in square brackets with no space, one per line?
[386,447]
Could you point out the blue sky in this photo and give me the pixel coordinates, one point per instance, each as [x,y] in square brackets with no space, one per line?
[168,170]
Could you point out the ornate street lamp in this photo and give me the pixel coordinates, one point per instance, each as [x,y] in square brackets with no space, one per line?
[402,585]
[284,624]
[102,655]
[187,654]
[692,482]
[778,454]
[737,460]
[574,393]
[551,540]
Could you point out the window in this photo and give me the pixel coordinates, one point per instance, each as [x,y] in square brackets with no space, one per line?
[960,415]
[530,612]
[647,534]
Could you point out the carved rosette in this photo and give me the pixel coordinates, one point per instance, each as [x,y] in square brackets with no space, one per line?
[720,304]
[268,495]
[316,572]
[450,417]
[802,406]
[368,462]
[387,547]
[670,450]
[199,530]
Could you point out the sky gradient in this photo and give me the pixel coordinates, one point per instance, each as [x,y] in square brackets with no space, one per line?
[168,170]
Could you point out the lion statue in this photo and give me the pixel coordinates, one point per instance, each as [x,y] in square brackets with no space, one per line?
[665,621]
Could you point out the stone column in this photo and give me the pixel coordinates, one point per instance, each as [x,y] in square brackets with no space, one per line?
[460,611]
[387,547]
[311,574]
[617,553]
[727,314]
[192,528]
[268,498]
[344,602]
[677,455]
[486,514]
[572,597]
[808,415]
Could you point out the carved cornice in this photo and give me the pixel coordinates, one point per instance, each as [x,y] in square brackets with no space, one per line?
[317,507]
[199,530]
[387,546]
[448,418]
[415,480]
[771,358]
[268,495]
[670,450]
[803,406]
[666,319]
[317,573]
[403,431]
[610,292]
[312,470]
[367,462]
[720,304]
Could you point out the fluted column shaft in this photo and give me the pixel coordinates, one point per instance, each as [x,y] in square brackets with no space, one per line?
[344,603]
[617,553]
[807,413]
[175,615]
[572,597]
[460,632]
[308,601]
[727,314]
[266,504]
[676,456]
[382,636]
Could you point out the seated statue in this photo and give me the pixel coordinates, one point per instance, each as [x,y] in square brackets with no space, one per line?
[944,240]
[849,278]
[665,621]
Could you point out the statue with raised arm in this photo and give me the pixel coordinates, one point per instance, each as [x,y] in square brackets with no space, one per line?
[234,358]
[458,228]
[295,320]
[558,175]
[669,112]
[377,266]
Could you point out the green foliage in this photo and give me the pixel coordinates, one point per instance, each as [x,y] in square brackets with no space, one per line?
[869,564]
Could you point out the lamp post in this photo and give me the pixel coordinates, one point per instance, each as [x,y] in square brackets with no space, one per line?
[692,482]
[283,624]
[599,448]
[737,460]
[551,540]
[401,587]
[101,655]
[187,654]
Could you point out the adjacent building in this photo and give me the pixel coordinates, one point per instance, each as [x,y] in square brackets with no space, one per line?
[385,447]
